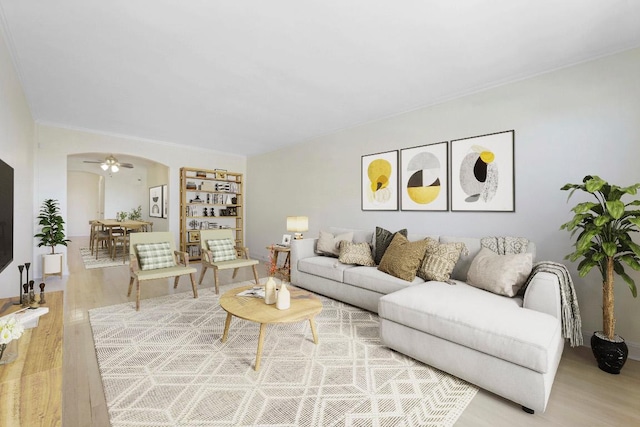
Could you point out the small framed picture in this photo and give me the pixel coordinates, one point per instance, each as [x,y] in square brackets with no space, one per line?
[155,201]
[221,173]
[286,239]
[193,236]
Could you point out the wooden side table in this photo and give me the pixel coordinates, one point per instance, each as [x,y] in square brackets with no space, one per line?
[285,269]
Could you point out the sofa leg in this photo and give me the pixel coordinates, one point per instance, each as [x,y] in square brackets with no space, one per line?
[527,410]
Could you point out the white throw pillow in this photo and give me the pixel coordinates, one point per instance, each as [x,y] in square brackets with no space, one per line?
[328,244]
[500,274]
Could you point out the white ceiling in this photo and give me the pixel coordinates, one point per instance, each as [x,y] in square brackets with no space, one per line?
[251,76]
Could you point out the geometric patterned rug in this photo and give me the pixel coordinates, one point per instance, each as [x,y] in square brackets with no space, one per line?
[104,259]
[165,366]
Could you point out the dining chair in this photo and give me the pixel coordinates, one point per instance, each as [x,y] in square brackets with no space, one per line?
[219,252]
[120,241]
[98,236]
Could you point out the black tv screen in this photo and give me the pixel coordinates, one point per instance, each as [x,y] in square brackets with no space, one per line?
[6,215]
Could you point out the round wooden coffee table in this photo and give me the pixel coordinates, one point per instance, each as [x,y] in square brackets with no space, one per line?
[304,306]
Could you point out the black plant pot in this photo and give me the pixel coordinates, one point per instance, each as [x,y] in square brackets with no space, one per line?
[610,355]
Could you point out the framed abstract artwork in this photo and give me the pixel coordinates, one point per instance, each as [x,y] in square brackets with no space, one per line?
[424,182]
[483,173]
[379,181]
[155,202]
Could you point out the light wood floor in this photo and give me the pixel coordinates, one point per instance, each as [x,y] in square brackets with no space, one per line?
[582,395]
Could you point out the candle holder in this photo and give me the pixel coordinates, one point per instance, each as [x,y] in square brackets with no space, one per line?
[42,301]
[19,302]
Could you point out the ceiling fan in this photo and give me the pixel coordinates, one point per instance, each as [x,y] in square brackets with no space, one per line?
[111,163]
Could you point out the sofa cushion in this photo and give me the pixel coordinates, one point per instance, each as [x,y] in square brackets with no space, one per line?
[328,242]
[402,258]
[382,240]
[471,317]
[439,260]
[500,274]
[355,254]
[375,280]
[323,266]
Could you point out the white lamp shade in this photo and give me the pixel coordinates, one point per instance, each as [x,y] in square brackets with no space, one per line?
[104,166]
[297,224]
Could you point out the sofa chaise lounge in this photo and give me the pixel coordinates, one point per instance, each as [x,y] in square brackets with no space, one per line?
[510,346]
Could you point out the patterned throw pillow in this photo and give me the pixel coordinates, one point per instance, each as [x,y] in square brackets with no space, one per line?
[155,255]
[355,254]
[383,239]
[328,243]
[439,260]
[402,258]
[222,249]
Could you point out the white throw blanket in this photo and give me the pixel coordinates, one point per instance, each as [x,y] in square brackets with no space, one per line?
[570,312]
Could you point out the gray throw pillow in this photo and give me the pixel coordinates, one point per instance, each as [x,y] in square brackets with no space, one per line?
[500,274]
[382,240]
[328,243]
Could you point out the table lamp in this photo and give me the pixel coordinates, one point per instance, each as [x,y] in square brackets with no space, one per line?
[297,224]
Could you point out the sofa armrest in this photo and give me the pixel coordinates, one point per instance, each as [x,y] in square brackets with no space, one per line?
[543,294]
[300,249]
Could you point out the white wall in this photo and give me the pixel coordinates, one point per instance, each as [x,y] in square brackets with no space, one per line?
[54,144]
[568,123]
[16,149]
[83,189]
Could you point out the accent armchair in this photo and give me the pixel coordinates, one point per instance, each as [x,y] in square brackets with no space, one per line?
[219,252]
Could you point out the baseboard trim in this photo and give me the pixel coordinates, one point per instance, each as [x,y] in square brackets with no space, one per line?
[634,347]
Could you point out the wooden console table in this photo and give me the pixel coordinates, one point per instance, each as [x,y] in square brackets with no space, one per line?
[31,386]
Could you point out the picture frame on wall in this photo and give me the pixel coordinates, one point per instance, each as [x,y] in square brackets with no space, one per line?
[379,181]
[165,201]
[155,202]
[424,177]
[483,173]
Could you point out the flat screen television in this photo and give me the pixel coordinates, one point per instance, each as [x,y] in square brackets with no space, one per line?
[6,215]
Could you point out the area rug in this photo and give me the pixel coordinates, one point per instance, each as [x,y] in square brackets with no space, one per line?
[104,259]
[165,366]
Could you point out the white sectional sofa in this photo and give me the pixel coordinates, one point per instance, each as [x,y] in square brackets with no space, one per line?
[510,346]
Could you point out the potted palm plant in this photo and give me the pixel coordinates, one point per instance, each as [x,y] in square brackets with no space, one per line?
[604,241]
[51,234]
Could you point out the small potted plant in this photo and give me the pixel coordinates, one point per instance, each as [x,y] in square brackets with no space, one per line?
[51,234]
[604,241]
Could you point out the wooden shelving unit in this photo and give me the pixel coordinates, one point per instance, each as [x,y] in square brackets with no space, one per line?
[209,199]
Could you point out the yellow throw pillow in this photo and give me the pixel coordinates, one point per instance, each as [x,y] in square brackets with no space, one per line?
[402,258]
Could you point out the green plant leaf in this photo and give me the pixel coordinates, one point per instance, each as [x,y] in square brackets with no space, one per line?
[615,208]
[631,261]
[602,220]
[609,248]
[584,207]
[595,183]
[586,268]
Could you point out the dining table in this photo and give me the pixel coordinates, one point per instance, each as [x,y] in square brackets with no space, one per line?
[126,226]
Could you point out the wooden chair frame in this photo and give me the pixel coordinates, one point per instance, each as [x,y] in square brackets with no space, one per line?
[207,257]
[180,269]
